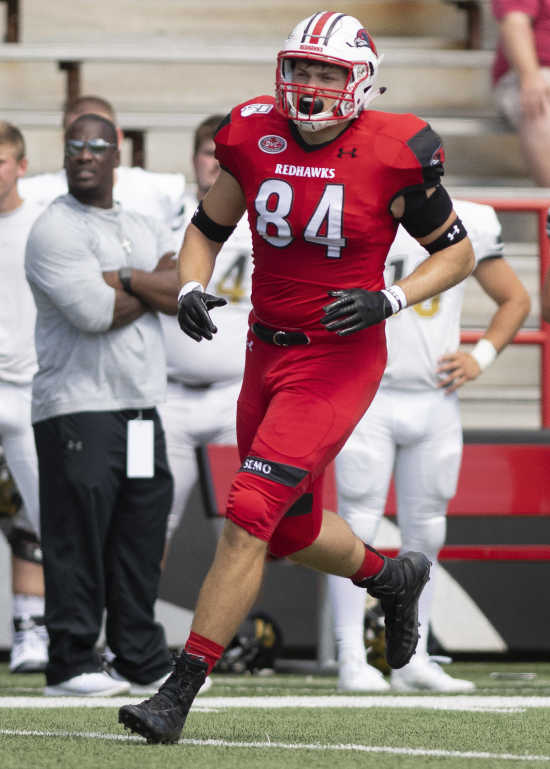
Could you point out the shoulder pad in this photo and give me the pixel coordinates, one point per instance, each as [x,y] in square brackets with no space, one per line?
[407,141]
[236,120]
[239,129]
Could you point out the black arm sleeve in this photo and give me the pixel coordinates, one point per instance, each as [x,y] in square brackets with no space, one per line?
[425,214]
[213,231]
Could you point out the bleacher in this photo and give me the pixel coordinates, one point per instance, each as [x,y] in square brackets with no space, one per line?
[166,65]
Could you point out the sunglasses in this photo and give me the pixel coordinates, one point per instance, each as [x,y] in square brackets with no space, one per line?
[74,147]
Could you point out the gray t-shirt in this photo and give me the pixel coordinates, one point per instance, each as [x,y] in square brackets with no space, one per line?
[82,365]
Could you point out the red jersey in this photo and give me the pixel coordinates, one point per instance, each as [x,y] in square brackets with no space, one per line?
[320,214]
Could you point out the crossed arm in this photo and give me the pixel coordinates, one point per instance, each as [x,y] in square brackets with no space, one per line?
[156,290]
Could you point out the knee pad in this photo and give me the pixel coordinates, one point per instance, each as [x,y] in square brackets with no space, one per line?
[261,493]
[24,545]
[426,534]
[249,509]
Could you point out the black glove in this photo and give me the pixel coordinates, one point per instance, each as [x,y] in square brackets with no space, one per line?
[355,309]
[193,316]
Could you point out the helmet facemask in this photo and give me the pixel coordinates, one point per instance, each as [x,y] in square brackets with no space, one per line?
[347,46]
[307,105]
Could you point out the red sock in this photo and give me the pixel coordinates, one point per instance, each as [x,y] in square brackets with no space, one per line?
[371,565]
[199,646]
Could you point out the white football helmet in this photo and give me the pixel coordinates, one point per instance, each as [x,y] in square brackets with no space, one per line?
[327,38]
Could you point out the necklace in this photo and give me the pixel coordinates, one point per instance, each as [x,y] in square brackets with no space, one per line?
[125,242]
[126,245]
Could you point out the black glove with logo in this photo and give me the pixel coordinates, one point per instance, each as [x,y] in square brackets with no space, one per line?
[193,317]
[355,309]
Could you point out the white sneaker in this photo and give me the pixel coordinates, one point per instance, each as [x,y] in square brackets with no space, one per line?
[424,674]
[88,685]
[29,652]
[356,675]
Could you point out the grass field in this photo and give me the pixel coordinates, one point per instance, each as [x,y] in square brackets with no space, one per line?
[292,722]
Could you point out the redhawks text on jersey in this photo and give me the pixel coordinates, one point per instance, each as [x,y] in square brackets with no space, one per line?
[320,214]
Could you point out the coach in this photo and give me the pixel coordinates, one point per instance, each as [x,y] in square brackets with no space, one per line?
[99,275]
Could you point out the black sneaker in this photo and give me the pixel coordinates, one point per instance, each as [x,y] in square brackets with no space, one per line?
[162,717]
[398,586]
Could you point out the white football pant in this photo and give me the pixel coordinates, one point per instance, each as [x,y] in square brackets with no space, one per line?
[194,417]
[417,436]
[17,438]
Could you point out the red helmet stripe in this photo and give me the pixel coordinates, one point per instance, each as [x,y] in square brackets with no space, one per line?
[318,28]
[311,20]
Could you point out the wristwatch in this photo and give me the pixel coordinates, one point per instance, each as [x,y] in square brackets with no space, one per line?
[125,275]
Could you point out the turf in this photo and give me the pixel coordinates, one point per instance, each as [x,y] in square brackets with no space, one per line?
[291,738]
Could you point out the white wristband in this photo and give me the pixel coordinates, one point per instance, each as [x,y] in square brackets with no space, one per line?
[189,286]
[396,297]
[484,352]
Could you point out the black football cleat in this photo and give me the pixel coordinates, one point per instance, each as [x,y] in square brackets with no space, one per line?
[398,587]
[162,717]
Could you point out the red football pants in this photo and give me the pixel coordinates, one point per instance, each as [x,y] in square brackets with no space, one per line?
[297,407]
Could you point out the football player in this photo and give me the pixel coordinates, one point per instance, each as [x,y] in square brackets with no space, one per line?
[29,652]
[325,182]
[412,428]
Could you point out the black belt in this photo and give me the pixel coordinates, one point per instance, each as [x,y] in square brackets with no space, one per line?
[279,337]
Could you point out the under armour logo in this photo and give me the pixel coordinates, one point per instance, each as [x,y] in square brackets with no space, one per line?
[75,445]
[453,232]
[250,344]
[342,152]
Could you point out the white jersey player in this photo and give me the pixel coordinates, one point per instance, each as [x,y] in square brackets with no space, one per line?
[204,380]
[412,430]
[17,367]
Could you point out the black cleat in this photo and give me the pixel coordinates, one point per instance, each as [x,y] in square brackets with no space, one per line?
[398,586]
[162,717]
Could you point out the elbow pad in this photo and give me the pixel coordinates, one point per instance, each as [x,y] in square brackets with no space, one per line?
[211,229]
[425,214]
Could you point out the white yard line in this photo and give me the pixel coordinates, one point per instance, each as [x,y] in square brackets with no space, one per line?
[446,702]
[419,752]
